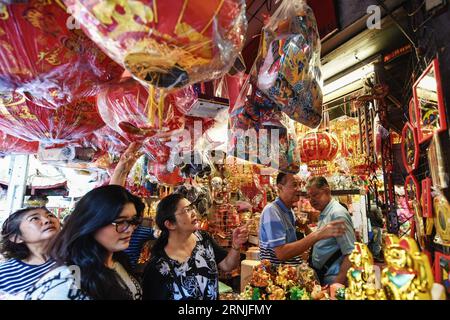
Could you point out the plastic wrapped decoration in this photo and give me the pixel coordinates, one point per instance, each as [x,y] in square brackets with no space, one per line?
[168,44]
[13,145]
[110,141]
[288,63]
[46,59]
[260,133]
[131,110]
[26,120]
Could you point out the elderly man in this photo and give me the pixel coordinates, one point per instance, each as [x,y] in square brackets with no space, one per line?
[277,237]
[330,256]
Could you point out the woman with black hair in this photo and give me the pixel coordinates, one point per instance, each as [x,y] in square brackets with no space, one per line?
[25,239]
[185,261]
[88,251]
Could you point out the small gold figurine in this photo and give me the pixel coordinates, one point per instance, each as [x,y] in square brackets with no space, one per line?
[361,276]
[408,274]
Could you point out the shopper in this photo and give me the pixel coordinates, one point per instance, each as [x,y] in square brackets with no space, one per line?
[88,251]
[144,232]
[26,235]
[330,256]
[277,231]
[185,261]
[376,221]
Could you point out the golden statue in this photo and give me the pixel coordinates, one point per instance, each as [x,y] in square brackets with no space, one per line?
[408,274]
[361,276]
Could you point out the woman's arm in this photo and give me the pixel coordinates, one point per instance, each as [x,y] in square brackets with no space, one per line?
[126,163]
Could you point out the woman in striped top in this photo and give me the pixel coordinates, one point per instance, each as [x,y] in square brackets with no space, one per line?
[26,236]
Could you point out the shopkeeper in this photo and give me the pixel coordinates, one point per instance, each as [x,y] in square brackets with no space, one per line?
[330,256]
[277,235]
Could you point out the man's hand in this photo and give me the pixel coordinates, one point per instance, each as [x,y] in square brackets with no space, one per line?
[332,229]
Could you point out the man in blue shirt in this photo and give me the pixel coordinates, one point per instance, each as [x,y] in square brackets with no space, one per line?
[330,256]
[277,237]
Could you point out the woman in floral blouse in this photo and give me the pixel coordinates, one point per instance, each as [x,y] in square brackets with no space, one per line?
[185,261]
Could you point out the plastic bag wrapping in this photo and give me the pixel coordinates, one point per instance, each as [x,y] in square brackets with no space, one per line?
[262,134]
[13,145]
[126,107]
[26,120]
[46,61]
[166,43]
[110,141]
[288,63]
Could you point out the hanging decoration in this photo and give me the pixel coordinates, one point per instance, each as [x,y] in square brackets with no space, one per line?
[168,44]
[13,145]
[26,120]
[287,68]
[318,150]
[46,58]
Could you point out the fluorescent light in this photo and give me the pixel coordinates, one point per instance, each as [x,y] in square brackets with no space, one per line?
[348,79]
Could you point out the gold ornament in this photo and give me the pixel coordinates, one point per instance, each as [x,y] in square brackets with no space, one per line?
[408,274]
[361,276]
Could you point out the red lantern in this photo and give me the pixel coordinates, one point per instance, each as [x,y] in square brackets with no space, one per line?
[166,43]
[318,146]
[44,60]
[13,145]
[31,122]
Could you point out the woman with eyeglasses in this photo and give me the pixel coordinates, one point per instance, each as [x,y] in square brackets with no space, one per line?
[185,260]
[25,239]
[88,251]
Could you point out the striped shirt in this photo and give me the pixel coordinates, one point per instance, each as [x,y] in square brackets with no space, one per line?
[138,239]
[17,276]
[276,228]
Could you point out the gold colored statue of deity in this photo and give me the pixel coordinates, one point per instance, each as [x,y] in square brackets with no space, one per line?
[408,274]
[361,276]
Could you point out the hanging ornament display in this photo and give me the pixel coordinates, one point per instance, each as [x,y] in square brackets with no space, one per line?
[442,218]
[287,68]
[46,58]
[13,145]
[168,44]
[26,120]
[410,147]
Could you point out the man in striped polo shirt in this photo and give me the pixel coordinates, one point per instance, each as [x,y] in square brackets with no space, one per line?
[277,237]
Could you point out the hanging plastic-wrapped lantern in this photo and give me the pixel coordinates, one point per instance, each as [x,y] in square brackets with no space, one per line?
[132,110]
[318,149]
[44,56]
[261,134]
[28,121]
[12,145]
[166,43]
[287,68]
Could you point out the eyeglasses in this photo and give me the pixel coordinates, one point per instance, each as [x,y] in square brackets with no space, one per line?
[189,209]
[124,225]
